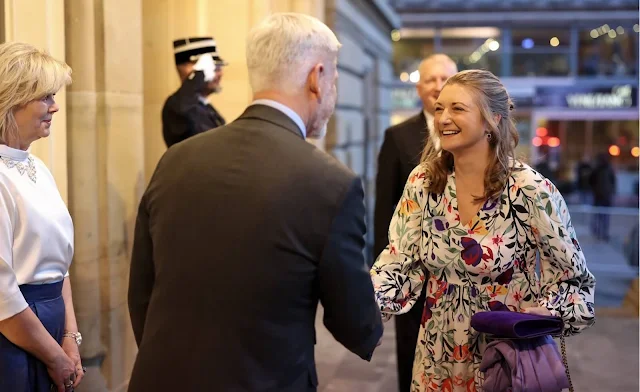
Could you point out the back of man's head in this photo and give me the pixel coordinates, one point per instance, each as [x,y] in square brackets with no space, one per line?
[283,49]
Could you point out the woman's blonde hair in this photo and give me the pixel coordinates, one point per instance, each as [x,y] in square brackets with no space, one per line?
[26,74]
[492,99]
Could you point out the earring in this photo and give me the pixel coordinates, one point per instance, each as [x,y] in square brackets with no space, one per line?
[489,136]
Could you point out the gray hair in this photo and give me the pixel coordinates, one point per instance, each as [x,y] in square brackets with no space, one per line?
[26,74]
[282,50]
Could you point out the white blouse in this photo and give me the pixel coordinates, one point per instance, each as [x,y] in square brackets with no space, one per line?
[36,231]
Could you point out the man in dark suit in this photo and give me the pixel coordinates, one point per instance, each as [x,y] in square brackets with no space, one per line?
[399,155]
[187,112]
[242,231]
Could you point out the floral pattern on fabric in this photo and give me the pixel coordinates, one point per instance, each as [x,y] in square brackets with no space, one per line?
[487,263]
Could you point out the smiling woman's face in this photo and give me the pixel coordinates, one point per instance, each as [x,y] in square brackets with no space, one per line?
[34,120]
[458,120]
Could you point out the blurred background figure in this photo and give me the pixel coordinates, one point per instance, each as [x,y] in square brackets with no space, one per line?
[603,186]
[583,181]
[187,112]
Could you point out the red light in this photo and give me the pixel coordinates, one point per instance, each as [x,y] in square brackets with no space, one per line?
[536,141]
[542,132]
[553,142]
[614,150]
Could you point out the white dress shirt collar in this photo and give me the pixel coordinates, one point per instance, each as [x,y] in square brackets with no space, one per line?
[13,153]
[286,110]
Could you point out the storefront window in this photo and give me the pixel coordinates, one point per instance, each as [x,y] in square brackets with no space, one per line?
[540,52]
[474,47]
[538,39]
[540,64]
[608,50]
[562,145]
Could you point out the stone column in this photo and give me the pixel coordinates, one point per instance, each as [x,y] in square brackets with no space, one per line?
[41,23]
[120,171]
[83,187]
[107,171]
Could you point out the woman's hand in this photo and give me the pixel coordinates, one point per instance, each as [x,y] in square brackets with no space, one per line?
[70,347]
[62,372]
[69,344]
[538,310]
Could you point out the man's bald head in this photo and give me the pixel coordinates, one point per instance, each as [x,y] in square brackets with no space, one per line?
[434,72]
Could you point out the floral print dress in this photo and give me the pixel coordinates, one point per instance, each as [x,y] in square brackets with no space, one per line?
[487,263]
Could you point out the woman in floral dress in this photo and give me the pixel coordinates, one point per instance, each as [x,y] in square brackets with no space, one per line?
[477,220]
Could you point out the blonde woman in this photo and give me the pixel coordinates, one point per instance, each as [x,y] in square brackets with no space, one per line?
[476,219]
[38,333]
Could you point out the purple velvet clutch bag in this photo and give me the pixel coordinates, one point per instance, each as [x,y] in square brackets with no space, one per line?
[531,362]
[515,325]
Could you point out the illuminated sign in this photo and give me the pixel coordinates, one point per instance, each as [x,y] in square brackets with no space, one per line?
[617,97]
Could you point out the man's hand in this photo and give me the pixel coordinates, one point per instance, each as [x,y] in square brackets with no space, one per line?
[207,66]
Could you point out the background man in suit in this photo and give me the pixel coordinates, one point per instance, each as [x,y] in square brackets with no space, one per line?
[243,230]
[187,112]
[399,155]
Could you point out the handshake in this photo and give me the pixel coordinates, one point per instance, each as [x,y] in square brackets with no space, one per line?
[207,66]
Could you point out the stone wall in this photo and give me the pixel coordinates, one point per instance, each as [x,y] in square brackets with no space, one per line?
[364,90]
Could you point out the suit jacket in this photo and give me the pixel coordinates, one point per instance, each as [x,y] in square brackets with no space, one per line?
[184,115]
[239,234]
[399,155]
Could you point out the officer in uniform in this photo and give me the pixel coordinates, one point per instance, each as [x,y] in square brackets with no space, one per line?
[187,112]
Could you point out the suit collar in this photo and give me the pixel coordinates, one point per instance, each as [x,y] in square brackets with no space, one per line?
[273,116]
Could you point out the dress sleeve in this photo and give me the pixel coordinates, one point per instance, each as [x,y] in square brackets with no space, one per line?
[397,274]
[11,300]
[567,285]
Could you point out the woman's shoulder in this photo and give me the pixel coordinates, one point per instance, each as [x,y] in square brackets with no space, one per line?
[418,177]
[523,173]
[530,180]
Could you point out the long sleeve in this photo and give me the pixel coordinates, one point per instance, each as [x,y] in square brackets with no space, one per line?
[346,292]
[388,191]
[142,273]
[397,274]
[567,285]
[180,111]
[12,301]
[188,92]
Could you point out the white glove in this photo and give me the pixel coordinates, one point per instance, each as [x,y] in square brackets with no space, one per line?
[207,66]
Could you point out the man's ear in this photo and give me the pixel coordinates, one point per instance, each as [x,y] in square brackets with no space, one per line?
[314,80]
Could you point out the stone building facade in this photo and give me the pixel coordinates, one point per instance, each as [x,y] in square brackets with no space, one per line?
[363,109]
[106,139]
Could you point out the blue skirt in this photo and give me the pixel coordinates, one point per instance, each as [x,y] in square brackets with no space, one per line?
[19,370]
